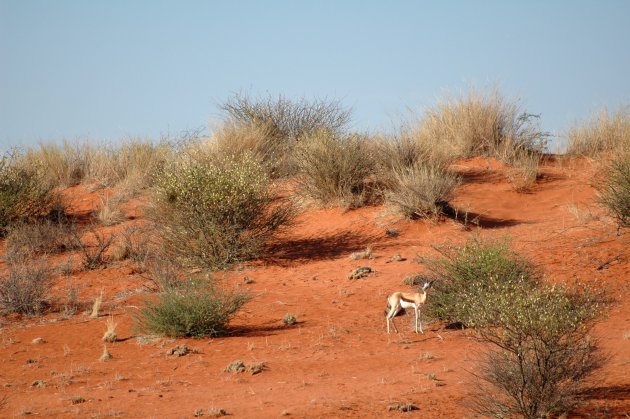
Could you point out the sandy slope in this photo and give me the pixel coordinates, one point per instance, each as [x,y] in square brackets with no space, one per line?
[337,361]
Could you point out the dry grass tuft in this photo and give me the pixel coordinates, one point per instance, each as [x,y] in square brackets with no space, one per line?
[106,356]
[96,307]
[110,333]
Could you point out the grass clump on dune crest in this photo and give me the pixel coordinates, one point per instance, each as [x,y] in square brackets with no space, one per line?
[270,127]
[614,191]
[603,133]
[215,211]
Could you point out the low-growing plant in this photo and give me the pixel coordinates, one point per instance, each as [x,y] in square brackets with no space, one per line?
[334,168]
[195,309]
[25,287]
[421,191]
[96,306]
[215,212]
[614,191]
[289,319]
[110,213]
[110,333]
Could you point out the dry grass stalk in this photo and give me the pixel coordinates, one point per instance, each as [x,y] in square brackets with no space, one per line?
[98,301]
[110,333]
[106,356]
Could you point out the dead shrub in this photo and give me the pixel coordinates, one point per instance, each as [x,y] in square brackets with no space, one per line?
[25,287]
[36,238]
[92,251]
[283,122]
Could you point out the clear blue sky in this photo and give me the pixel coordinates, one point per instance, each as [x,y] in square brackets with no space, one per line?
[107,70]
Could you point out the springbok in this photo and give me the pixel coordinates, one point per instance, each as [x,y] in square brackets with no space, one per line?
[403,300]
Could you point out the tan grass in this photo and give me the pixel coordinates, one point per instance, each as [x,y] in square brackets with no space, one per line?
[96,307]
[110,333]
[106,356]
[604,132]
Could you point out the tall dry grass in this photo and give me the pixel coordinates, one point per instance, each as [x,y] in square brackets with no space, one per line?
[480,124]
[603,133]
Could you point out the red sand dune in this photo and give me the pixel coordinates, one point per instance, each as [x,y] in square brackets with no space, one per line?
[338,360]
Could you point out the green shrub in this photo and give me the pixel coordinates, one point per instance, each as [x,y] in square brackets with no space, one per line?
[23,194]
[334,169]
[421,190]
[467,277]
[195,309]
[540,351]
[25,287]
[216,211]
[614,192]
[602,133]
[539,348]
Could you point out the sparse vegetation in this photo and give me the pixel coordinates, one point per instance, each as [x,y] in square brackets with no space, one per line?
[195,309]
[94,252]
[106,355]
[216,212]
[40,237]
[360,272]
[364,254]
[96,306]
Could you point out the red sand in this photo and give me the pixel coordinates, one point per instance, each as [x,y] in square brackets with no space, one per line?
[338,360]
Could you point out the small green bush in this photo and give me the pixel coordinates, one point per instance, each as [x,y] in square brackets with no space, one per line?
[23,194]
[214,212]
[614,192]
[465,278]
[195,309]
[334,169]
[421,190]
[25,287]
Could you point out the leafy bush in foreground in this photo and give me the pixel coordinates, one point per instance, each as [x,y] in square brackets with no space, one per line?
[539,348]
[214,212]
[195,309]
